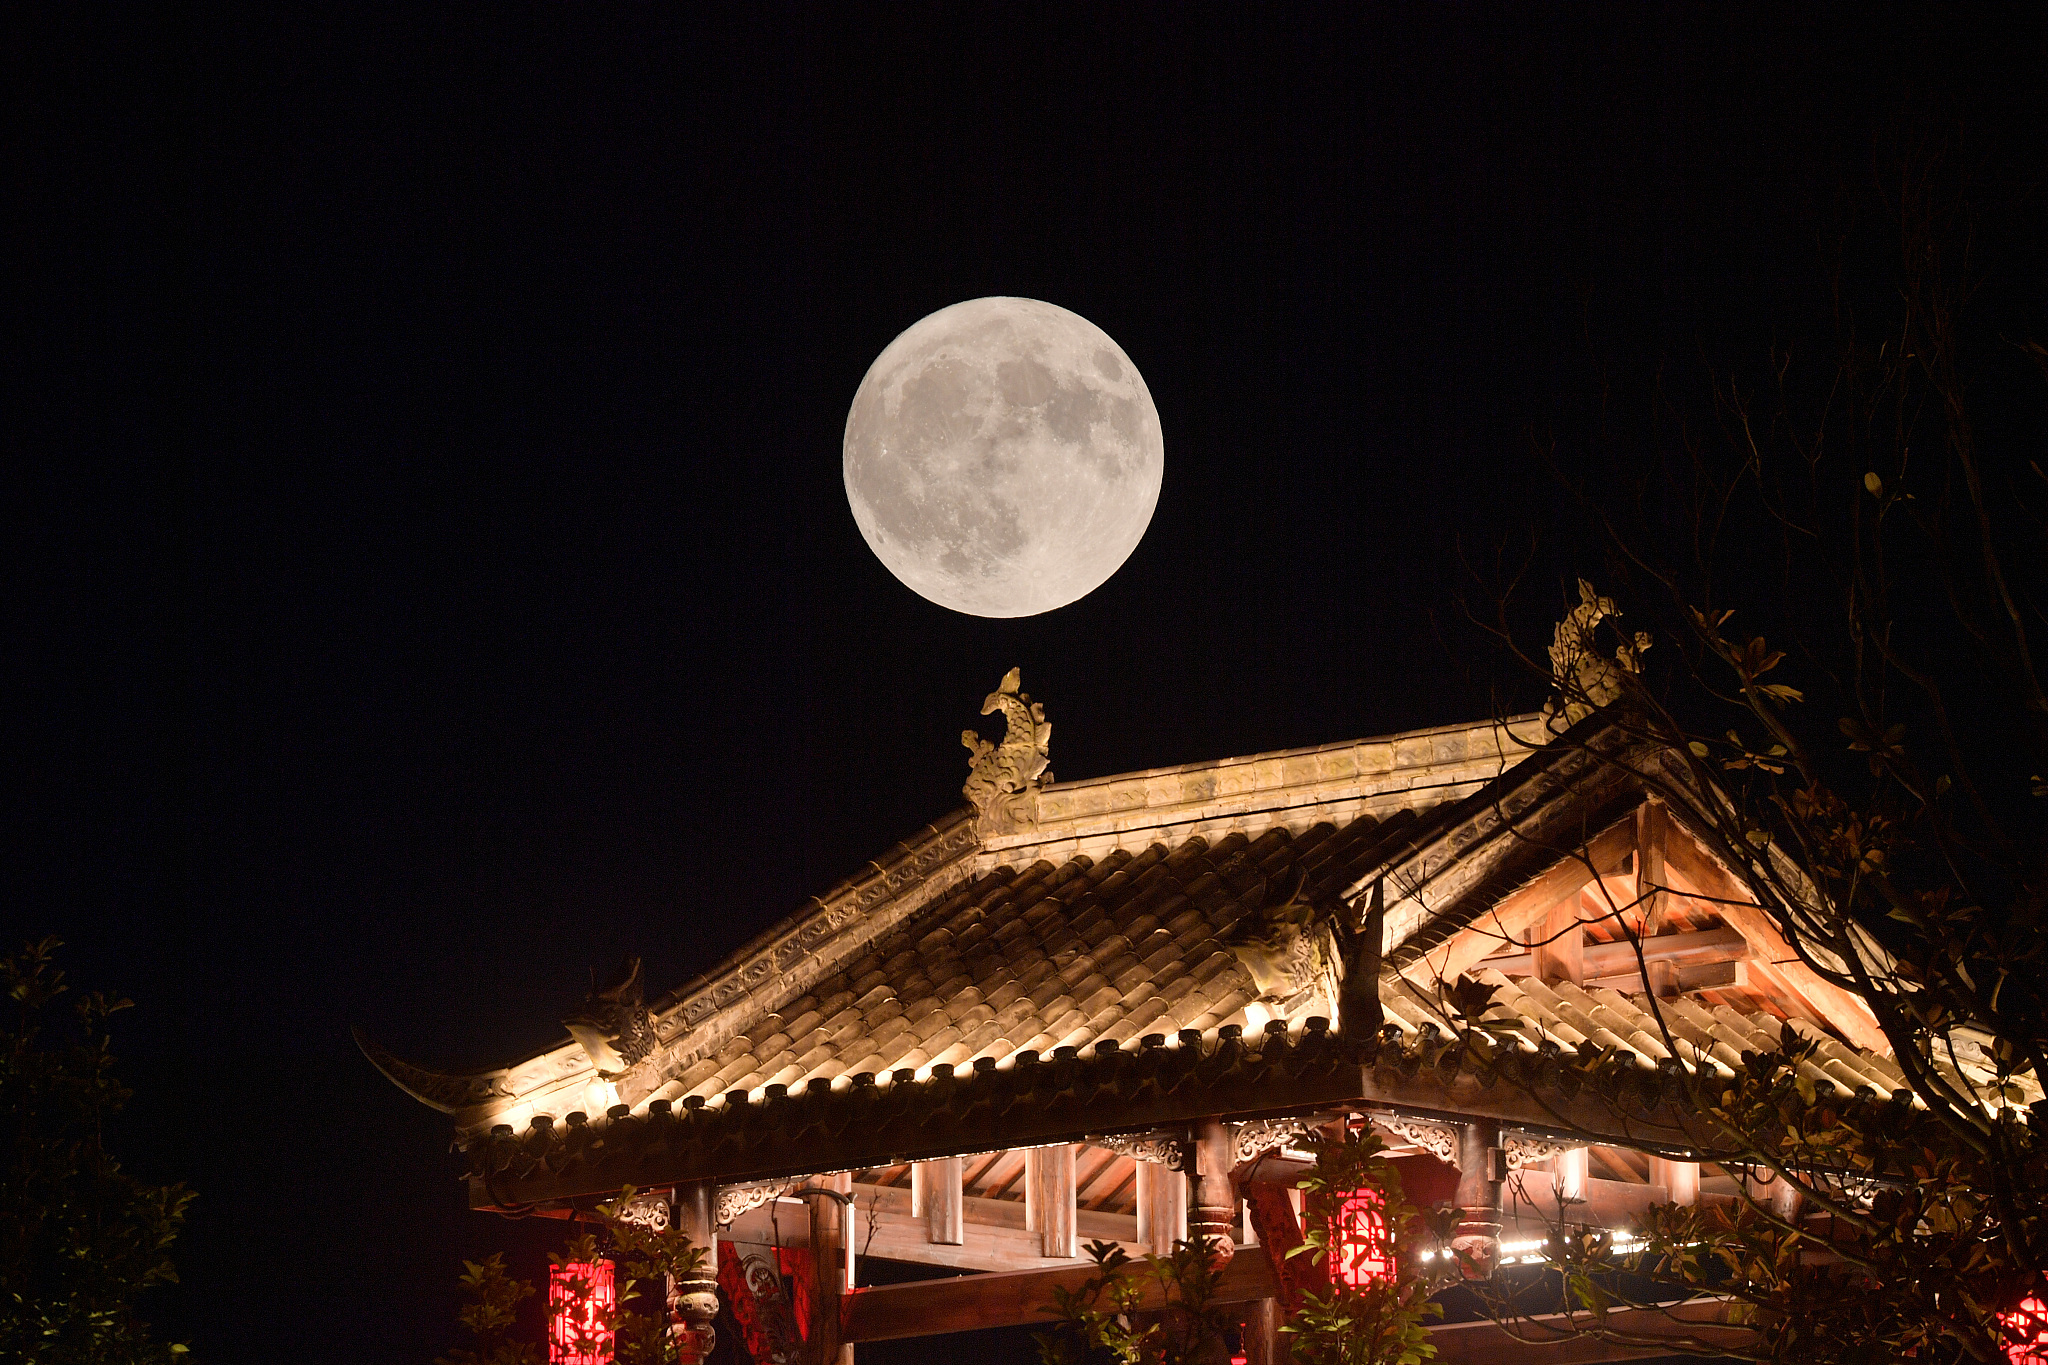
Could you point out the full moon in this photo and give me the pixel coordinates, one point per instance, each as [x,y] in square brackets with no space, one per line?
[1003,457]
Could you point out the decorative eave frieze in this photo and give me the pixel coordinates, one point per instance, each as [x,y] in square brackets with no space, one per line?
[1157,1091]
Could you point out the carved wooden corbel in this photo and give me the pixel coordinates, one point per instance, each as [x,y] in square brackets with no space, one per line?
[1526,1149]
[1440,1140]
[1253,1140]
[735,1200]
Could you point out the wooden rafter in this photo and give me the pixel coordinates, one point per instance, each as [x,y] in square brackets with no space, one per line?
[1096,1163]
[1693,872]
[1512,918]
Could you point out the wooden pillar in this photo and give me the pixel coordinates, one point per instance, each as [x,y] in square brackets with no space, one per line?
[1775,1193]
[1560,951]
[1162,1208]
[693,1302]
[1049,1200]
[1263,1343]
[1786,1200]
[936,1197]
[1681,1179]
[831,1271]
[1571,1170]
[1650,865]
[1481,1169]
[1214,1214]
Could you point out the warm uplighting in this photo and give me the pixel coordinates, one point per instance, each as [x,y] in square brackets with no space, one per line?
[580,1301]
[2031,1315]
[1361,1249]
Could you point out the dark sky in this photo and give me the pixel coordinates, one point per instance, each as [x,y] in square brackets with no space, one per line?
[431,576]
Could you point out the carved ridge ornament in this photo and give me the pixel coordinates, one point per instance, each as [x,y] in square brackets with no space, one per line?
[1526,1149]
[1585,677]
[612,1023]
[1003,778]
[1440,1140]
[1260,1136]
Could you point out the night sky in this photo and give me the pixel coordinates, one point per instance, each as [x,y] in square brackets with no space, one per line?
[430,574]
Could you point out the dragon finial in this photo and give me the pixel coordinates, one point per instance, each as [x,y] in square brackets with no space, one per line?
[613,1023]
[1586,677]
[1002,778]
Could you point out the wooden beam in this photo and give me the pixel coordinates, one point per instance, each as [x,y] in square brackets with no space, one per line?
[940,1133]
[1514,915]
[984,1247]
[1701,948]
[1660,978]
[1559,950]
[1718,976]
[1605,1203]
[1551,1339]
[1019,1298]
[993,1235]
[1690,869]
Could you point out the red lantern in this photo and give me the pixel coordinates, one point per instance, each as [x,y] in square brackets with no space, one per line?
[580,1302]
[1361,1248]
[2030,1316]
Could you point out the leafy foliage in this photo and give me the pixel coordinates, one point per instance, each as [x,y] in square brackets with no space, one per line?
[645,1264]
[1859,741]
[491,1315]
[80,1239]
[1102,1321]
[1379,1322]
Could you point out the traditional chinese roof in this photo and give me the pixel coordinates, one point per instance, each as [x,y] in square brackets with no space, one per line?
[1128,943]
[964,928]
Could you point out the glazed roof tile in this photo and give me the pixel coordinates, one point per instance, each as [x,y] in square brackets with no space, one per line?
[1039,958]
[1113,920]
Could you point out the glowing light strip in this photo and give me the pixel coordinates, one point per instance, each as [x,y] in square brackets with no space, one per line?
[1517,1253]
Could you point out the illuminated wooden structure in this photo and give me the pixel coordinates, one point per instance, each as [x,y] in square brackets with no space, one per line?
[1100,1010]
